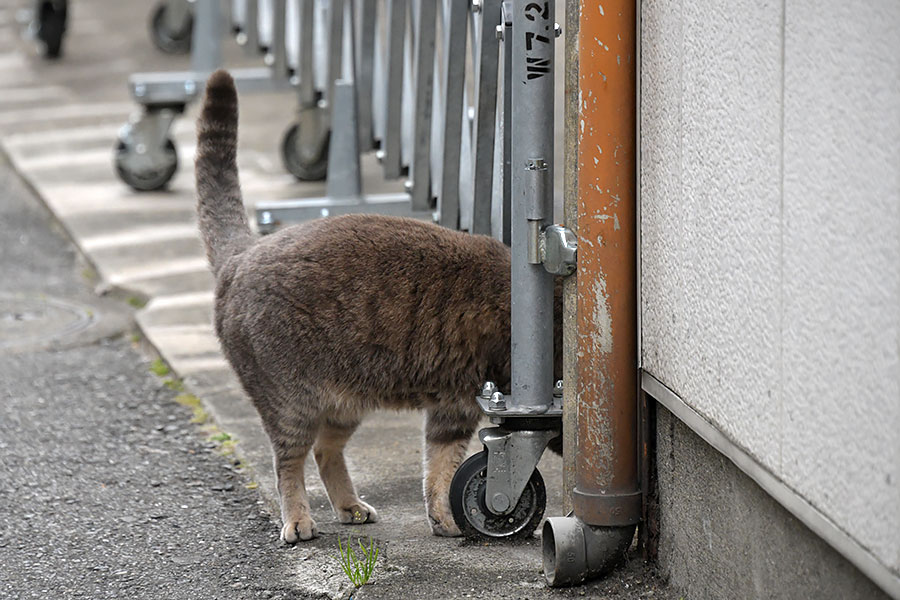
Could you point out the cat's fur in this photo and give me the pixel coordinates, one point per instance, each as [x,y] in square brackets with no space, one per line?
[328,320]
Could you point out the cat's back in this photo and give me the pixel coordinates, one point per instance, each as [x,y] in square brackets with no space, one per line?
[354,249]
[395,300]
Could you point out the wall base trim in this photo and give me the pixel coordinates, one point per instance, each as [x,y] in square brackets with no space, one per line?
[798,506]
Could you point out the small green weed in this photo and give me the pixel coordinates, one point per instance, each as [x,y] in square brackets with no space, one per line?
[193,402]
[136,302]
[174,384]
[222,436]
[160,368]
[358,570]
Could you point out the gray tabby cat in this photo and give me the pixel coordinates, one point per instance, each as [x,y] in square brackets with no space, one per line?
[331,319]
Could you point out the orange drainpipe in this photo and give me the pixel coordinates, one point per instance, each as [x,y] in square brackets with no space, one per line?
[607,494]
[606,363]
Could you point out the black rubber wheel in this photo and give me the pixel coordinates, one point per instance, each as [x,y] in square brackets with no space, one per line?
[170,42]
[296,164]
[471,514]
[52,26]
[147,181]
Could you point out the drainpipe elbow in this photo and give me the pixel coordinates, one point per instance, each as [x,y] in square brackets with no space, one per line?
[575,552]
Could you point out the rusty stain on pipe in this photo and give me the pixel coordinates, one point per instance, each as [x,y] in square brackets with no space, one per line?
[606,468]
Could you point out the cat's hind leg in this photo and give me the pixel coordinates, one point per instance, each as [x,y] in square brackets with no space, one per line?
[298,524]
[329,454]
[448,429]
[291,446]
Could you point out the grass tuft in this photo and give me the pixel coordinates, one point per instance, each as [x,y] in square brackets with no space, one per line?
[136,302]
[358,571]
[174,384]
[193,402]
[159,368]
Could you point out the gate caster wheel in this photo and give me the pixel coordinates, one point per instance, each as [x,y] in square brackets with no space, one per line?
[298,165]
[51,26]
[146,180]
[167,40]
[467,502]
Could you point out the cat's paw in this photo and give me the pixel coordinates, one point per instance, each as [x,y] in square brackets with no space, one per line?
[356,513]
[444,527]
[299,530]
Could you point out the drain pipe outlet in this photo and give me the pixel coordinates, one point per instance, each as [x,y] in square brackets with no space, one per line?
[575,552]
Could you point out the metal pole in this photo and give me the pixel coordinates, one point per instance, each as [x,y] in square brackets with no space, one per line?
[424,19]
[206,50]
[488,55]
[532,202]
[277,51]
[393,90]
[365,26]
[307,88]
[344,180]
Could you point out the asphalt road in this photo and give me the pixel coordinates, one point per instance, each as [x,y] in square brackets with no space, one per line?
[107,490]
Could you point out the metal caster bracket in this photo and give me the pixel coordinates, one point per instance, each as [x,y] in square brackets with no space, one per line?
[513,455]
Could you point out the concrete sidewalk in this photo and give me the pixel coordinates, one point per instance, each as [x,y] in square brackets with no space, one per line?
[58,123]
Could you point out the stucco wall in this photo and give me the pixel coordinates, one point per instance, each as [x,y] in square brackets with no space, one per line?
[770,209]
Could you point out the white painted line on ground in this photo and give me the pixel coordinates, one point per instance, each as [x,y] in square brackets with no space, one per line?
[184,329]
[16,79]
[56,160]
[104,69]
[181,207]
[13,61]
[256,181]
[63,136]
[68,199]
[141,236]
[157,270]
[187,366]
[30,94]
[70,111]
[189,346]
[185,300]
[67,158]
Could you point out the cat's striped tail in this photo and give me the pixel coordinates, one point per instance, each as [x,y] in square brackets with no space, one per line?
[220,208]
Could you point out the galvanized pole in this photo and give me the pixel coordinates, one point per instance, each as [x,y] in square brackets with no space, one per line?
[206,50]
[532,202]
